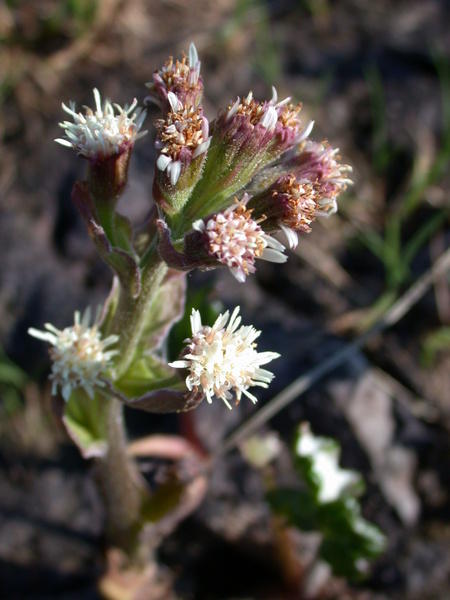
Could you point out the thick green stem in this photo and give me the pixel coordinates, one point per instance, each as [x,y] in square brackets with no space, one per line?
[120,483]
[130,318]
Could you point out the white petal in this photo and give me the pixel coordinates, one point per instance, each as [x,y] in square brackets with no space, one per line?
[234,108]
[270,118]
[193,55]
[274,95]
[291,236]
[203,147]
[305,133]
[64,142]
[273,256]
[174,170]
[163,162]
[198,225]
[179,364]
[273,243]
[175,103]
[238,274]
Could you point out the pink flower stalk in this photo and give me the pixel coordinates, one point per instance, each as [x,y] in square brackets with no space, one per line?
[181,77]
[236,240]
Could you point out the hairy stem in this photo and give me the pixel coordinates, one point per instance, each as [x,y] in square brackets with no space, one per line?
[130,318]
[120,483]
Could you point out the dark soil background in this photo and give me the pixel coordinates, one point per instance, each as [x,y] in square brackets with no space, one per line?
[374,76]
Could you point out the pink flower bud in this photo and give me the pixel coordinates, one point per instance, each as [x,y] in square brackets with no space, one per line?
[181,77]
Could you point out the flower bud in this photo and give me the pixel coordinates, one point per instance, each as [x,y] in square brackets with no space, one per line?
[182,141]
[288,205]
[181,77]
[236,240]
[318,163]
[245,138]
[231,238]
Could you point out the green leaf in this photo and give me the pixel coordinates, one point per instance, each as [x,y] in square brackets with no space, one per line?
[297,506]
[164,500]
[167,308]
[146,374]
[317,462]
[121,261]
[86,422]
[349,539]
[329,505]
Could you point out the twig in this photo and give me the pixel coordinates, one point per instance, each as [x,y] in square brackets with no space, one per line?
[304,382]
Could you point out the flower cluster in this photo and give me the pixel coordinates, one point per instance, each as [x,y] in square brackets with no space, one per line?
[79,355]
[288,205]
[180,77]
[181,136]
[236,240]
[222,360]
[222,190]
[317,162]
[105,132]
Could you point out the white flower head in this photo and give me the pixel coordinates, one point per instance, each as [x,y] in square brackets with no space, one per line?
[236,240]
[222,360]
[79,355]
[183,135]
[106,131]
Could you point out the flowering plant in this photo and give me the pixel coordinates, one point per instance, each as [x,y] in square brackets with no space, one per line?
[222,189]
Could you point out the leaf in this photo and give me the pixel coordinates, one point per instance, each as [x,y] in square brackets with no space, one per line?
[167,401]
[109,307]
[151,385]
[121,261]
[349,540]
[167,308]
[86,423]
[147,374]
[329,505]
[317,462]
[297,506]
[164,500]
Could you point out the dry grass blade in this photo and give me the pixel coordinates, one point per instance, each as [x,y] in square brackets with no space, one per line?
[304,382]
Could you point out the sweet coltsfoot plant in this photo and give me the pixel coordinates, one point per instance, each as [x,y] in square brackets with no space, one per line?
[223,188]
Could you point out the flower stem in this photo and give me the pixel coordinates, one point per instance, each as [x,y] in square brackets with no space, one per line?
[119,478]
[120,484]
[131,315]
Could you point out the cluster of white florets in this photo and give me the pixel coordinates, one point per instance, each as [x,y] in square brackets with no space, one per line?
[106,131]
[236,240]
[79,355]
[182,136]
[222,360]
